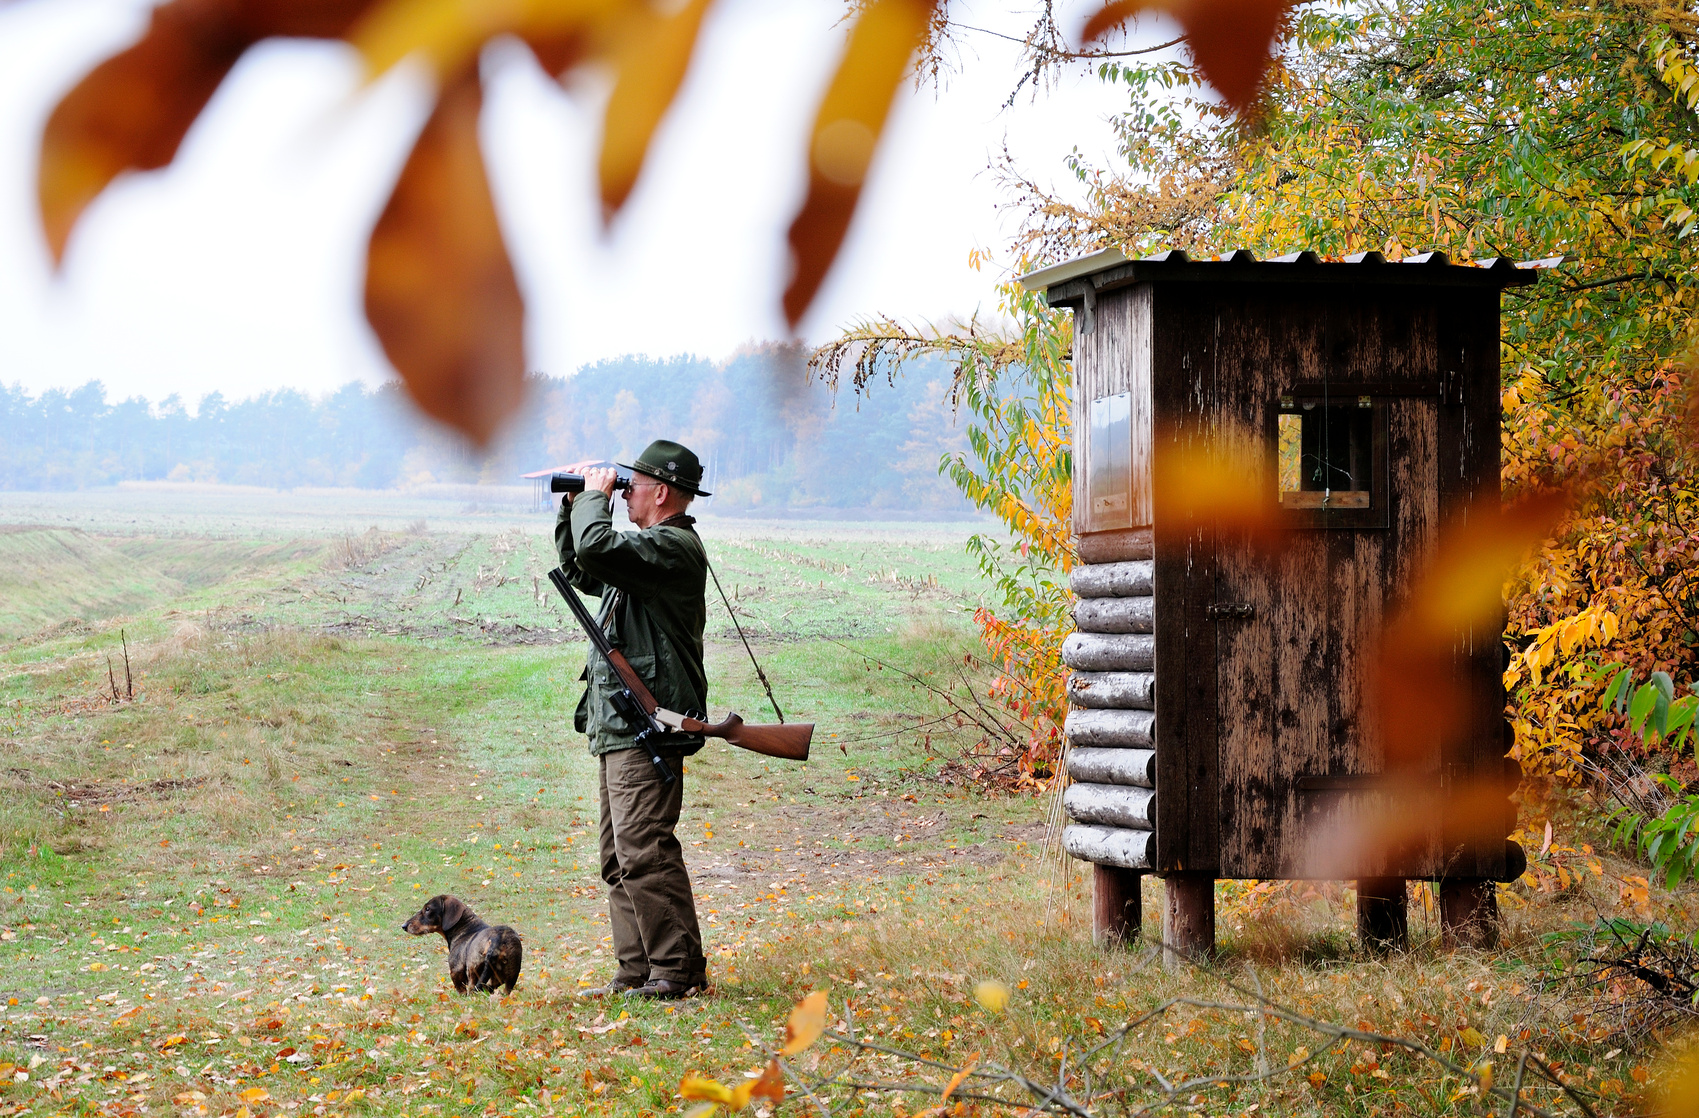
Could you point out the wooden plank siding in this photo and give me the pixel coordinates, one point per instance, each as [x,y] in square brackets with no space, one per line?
[1183,375]
[1115,357]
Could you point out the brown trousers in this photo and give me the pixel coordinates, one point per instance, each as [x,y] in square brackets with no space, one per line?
[649,900]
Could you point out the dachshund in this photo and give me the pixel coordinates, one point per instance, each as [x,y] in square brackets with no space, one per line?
[480,957]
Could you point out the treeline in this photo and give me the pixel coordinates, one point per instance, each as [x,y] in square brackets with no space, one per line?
[771,438]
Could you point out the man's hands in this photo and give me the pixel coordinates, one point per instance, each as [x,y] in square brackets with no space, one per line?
[602,478]
[596,476]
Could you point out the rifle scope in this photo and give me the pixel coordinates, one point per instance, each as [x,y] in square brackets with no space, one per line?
[574,483]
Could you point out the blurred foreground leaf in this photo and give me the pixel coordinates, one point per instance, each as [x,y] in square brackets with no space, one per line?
[1231,40]
[440,292]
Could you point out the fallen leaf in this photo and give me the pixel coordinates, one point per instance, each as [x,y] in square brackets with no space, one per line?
[255,1095]
[992,994]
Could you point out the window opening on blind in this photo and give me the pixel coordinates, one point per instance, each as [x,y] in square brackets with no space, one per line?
[1109,461]
[1326,455]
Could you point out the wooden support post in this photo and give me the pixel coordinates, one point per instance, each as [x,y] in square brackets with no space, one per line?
[1188,918]
[1383,920]
[1468,912]
[1117,905]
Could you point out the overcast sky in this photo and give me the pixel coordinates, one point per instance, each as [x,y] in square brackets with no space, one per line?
[239,268]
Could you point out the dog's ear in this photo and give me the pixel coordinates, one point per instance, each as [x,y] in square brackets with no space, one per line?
[453,912]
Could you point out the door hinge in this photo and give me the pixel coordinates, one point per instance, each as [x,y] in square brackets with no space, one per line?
[1221,610]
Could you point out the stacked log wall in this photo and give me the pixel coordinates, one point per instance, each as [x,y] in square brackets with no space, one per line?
[1111,723]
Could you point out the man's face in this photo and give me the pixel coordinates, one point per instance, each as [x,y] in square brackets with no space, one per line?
[643,499]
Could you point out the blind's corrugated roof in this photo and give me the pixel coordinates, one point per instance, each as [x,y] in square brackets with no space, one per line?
[1171,262]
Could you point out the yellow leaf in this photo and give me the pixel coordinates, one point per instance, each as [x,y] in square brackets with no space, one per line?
[846,130]
[1472,1038]
[1298,1056]
[449,33]
[1681,1085]
[255,1095]
[807,1022]
[653,54]
[1485,1074]
[991,994]
[693,1087]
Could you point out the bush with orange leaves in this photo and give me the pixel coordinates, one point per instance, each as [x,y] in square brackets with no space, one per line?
[1015,387]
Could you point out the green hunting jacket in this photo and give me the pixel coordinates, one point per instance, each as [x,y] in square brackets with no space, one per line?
[653,586]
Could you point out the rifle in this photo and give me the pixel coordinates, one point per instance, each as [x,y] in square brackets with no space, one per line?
[787,740]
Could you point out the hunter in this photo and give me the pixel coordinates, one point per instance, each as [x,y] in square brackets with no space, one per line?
[652,583]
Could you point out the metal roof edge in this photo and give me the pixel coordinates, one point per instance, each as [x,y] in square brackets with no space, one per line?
[1126,269]
[1073,269]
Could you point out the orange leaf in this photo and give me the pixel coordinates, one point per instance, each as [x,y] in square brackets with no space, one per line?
[957,1079]
[771,1085]
[846,130]
[133,110]
[255,1095]
[440,292]
[807,1022]
[653,55]
[1218,478]
[1426,693]
[1230,39]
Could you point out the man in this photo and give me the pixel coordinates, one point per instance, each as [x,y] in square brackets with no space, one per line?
[652,583]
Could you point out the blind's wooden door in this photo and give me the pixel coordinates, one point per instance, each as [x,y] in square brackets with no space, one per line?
[1298,601]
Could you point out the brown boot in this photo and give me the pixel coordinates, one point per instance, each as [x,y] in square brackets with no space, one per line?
[614,987]
[662,989]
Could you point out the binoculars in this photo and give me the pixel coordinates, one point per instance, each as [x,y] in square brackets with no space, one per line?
[574,483]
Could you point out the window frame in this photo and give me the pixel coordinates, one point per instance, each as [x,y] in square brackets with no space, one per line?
[1376,515]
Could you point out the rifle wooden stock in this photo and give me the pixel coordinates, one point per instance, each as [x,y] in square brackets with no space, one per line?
[786,740]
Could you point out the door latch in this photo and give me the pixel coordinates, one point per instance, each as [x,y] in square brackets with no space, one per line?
[1219,611]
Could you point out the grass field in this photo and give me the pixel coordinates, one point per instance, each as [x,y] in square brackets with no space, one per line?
[204,884]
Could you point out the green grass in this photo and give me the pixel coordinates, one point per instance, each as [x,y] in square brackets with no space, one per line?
[203,888]
[57,577]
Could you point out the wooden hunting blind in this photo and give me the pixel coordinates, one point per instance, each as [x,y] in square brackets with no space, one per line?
[1219,726]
